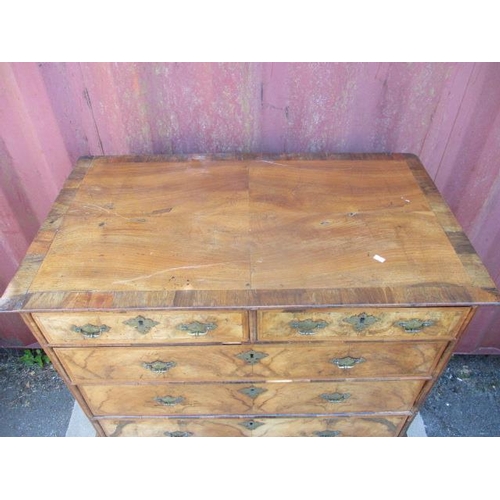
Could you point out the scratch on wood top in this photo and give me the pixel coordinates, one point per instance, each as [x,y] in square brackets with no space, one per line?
[170,269]
[272,162]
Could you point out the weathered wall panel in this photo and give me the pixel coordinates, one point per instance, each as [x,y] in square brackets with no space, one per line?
[446,113]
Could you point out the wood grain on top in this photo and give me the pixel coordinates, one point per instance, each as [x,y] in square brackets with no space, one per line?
[254,231]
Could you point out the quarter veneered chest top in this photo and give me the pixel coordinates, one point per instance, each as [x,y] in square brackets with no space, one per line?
[232,228]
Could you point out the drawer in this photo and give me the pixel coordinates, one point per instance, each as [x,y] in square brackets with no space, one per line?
[145,364]
[381,426]
[236,362]
[376,323]
[170,427]
[144,327]
[258,398]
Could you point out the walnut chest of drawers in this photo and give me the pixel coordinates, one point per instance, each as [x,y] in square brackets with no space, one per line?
[251,296]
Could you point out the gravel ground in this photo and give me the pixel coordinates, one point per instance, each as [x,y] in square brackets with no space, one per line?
[465,401]
[33,401]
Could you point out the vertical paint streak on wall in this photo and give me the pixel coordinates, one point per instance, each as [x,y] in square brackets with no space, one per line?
[448,113]
[445,115]
[483,214]
[276,114]
[70,103]
[462,176]
[362,124]
[102,96]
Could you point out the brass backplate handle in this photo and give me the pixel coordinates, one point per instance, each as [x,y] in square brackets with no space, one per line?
[327,433]
[347,362]
[336,397]
[414,325]
[141,324]
[307,326]
[169,400]
[361,321]
[177,434]
[90,331]
[196,328]
[159,366]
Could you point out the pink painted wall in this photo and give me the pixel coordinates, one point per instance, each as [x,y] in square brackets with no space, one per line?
[446,113]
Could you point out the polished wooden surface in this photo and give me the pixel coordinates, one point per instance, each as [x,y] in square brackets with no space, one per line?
[272,398]
[246,232]
[383,426]
[215,363]
[167,327]
[348,323]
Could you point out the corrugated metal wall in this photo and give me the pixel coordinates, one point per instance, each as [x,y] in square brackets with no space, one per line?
[446,113]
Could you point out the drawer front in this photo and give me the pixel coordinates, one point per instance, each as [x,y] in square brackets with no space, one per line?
[170,427]
[265,362]
[394,324]
[144,327]
[176,363]
[383,426]
[258,398]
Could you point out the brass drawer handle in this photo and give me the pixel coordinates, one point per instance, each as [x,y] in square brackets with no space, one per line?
[327,433]
[252,357]
[169,400]
[307,326]
[90,331]
[141,324]
[347,362]
[178,434]
[361,321]
[197,328]
[159,366]
[414,325]
[335,397]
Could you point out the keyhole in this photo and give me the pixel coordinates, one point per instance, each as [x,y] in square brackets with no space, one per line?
[362,319]
[141,322]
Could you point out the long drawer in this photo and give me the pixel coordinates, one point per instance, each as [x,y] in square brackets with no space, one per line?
[379,426]
[144,327]
[264,362]
[361,324]
[258,398]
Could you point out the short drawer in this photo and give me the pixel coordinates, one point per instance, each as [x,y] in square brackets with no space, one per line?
[144,327]
[263,361]
[258,398]
[381,323]
[381,426]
